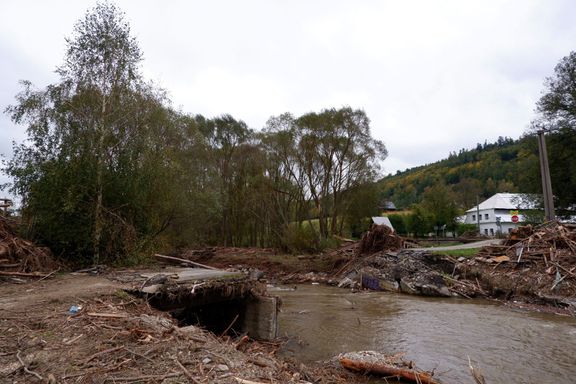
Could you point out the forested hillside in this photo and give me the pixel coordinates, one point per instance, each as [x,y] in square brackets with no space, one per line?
[506,165]
[470,173]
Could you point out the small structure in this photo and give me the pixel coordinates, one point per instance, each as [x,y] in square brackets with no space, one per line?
[387,206]
[382,220]
[499,214]
[217,300]
[5,204]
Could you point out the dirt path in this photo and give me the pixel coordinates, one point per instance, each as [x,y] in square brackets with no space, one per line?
[65,289]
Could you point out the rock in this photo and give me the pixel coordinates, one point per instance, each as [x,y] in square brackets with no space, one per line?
[256,274]
[222,368]
[346,283]
[407,287]
[352,275]
[206,360]
[389,285]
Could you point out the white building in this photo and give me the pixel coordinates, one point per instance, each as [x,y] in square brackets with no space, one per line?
[499,214]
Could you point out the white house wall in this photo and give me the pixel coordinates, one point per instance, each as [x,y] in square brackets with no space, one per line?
[488,224]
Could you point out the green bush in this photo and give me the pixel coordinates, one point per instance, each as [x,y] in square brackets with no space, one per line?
[399,223]
[300,238]
[466,228]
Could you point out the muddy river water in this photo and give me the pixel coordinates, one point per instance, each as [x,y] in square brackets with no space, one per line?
[510,346]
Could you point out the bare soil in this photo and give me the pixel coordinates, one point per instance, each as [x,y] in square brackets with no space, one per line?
[117,338]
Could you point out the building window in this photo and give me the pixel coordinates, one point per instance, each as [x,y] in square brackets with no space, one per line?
[486,216]
[473,217]
[479,217]
[486,231]
[509,230]
[491,231]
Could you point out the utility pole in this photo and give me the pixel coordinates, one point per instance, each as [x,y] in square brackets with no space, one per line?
[546,183]
[478,213]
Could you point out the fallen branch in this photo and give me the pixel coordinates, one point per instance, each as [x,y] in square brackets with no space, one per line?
[143,377]
[22,274]
[230,326]
[71,341]
[9,265]
[570,272]
[476,374]
[108,315]
[26,367]
[386,369]
[50,274]
[244,381]
[186,372]
[104,352]
[185,261]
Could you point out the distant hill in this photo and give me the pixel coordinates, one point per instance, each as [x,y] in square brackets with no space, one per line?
[506,165]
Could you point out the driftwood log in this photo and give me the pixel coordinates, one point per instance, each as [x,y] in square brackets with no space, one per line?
[379,364]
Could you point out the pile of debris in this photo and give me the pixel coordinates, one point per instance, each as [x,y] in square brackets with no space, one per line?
[119,339]
[379,238]
[539,259]
[412,272]
[19,256]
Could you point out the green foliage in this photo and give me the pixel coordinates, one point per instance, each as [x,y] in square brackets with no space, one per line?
[557,114]
[96,175]
[462,228]
[558,105]
[300,238]
[110,171]
[467,253]
[327,156]
[470,174]
[399,222]
[440,203]
[361,205]
[419,221]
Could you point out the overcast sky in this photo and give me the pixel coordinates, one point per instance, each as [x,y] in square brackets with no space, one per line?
[433,76]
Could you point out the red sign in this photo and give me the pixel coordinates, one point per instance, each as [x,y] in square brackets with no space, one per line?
[514,219]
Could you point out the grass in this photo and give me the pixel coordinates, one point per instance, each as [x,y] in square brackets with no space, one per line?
[467,253]
[434,243]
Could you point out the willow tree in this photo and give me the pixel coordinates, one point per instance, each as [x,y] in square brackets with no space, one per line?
[91,160]
[327,156]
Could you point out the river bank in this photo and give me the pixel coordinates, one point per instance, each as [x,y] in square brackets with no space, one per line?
[528,285]
[85,328]
[112,336]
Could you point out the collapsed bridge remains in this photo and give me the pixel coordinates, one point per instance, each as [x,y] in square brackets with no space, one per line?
[220,301]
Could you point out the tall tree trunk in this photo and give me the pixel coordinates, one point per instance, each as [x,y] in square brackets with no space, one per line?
[98,225]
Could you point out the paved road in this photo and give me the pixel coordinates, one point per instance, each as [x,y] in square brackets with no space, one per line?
[477,244]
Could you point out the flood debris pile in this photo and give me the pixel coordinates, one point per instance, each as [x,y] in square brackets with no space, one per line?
[381,264]
[412,272]
[376,363]
[19,257]
[534,261]
[379,238]
[119,339]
